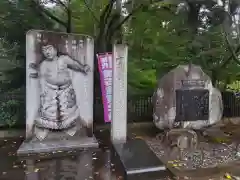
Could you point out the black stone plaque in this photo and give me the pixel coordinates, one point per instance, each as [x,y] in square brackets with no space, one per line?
[138,161]
[192,105]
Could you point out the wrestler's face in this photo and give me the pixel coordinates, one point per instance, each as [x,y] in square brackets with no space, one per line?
[49,51]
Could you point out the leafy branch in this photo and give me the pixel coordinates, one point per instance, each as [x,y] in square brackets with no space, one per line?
[91,11]
[233,52]
[38,7]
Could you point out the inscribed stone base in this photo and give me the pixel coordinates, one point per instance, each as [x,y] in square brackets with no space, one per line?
[137,161]
[51,145]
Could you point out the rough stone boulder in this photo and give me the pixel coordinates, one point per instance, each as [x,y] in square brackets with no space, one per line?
[164,98]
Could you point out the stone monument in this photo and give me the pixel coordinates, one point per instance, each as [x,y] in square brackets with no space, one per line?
[190,78]
[59,92]
[134,156]
[119,99]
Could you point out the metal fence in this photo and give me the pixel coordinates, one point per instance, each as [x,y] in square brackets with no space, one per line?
[231,104]
[139,108]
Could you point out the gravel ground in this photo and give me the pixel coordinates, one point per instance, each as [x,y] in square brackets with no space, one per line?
[208,155]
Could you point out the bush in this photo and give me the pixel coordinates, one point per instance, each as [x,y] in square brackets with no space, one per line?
[11,112]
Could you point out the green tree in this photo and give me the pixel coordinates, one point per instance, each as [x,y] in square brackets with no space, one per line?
[17,17]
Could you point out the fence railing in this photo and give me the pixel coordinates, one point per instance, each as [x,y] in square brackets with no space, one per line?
[139,108]
[231,104]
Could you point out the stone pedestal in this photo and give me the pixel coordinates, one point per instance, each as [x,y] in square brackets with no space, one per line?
[48,146]
[137,161]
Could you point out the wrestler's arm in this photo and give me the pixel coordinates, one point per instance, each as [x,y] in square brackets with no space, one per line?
[76,65]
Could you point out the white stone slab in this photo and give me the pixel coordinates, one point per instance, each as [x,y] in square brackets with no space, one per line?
[119,97]
[82,84]
[64,83]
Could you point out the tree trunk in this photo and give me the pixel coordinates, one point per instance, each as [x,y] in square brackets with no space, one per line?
[214,77]
[101,46]
[69,21]
[119,12]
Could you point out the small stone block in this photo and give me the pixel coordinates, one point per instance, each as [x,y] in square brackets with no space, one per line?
[48,146]
[137,161]
[32,176]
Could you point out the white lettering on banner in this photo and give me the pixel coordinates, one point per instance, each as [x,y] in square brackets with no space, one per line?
[109,97]
[105,64]
[107,73]
[109,90]
[108,82]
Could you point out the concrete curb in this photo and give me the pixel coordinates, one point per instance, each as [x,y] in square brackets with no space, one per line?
[12,133]
[129,125]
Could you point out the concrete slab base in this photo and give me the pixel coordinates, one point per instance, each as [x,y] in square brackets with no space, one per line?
[137,161]
[47,146]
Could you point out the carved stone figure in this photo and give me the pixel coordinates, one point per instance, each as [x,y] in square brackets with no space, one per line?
[58,108]
[164,98]
[59,92]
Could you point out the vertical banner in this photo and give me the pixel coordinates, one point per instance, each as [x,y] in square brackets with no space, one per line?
[105,70]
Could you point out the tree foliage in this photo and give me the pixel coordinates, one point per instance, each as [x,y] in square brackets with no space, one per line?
[161,34]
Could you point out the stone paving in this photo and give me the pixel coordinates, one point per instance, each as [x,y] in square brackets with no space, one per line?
[97,165]
[55,166]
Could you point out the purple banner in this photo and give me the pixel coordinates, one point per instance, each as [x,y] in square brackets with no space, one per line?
[105,70]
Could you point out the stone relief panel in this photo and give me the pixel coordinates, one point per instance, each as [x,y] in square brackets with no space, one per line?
[59,83]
